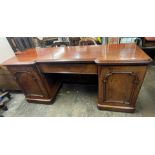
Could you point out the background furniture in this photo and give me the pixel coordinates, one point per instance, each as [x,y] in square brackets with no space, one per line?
[23,43]
[60,44]
[20,43]
[44,42]
[87,41]
[74,41]
[119,76]
[148,45]
[48,41]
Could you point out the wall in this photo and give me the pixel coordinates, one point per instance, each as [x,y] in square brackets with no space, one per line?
[5,50]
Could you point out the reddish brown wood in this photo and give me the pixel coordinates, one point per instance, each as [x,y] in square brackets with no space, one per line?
[71,68]
[119,87]
[120,69]
[150,38]
[114,53]
[35,87]
[7,81]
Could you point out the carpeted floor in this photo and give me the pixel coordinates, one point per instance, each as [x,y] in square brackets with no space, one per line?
[80,100]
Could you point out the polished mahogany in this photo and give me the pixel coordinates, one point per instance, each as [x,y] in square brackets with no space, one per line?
[120,69]
[122,53]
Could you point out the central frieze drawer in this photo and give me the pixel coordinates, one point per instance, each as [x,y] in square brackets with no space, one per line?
[68,68]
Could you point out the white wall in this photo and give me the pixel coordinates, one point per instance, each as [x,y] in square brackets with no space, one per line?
[5,50]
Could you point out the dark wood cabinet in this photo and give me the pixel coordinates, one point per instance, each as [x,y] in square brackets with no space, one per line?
[119,86]
[120,69]
[26,79]
[7,81]
[35,87]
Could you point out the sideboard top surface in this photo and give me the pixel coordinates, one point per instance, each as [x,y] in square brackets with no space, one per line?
[114,53]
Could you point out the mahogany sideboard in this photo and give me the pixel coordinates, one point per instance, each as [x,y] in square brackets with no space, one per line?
[120,70]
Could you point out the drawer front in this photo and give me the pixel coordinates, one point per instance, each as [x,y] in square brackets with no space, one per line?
[68,68]
[14,69]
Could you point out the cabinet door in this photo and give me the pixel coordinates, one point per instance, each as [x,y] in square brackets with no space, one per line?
[119,86]
[30,84]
